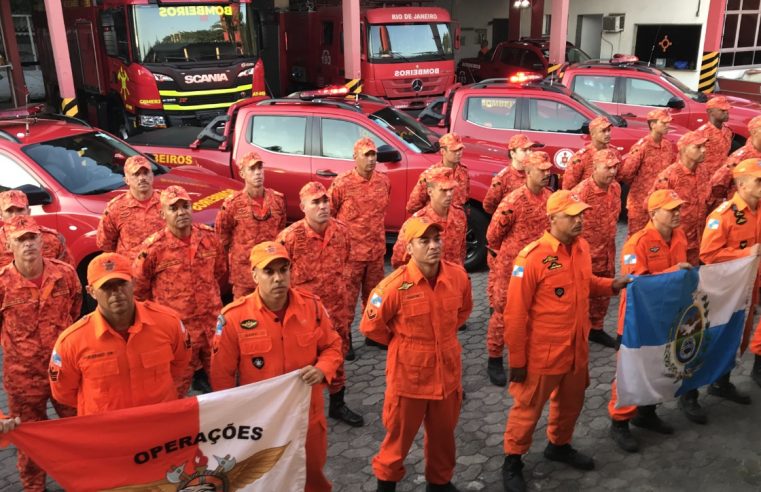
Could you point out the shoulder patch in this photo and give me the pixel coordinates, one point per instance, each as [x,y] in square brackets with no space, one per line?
[528,249]
[713,224]
[630,259]
[723,207]
[235,303]
[517,271]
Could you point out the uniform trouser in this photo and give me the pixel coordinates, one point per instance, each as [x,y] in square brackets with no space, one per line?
[619,414]
[598,306]
[637,219]
[402,417]
[566,395]
[33,408]
[495,329]
[201,329]
[491,278]
[363,277]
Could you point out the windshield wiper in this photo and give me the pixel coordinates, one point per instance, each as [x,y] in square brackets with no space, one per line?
[400,56]
[439,55]
[100,191]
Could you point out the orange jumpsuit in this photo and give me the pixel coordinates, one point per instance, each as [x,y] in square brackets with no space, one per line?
[419,324]
[695,187]
[645,253]
[717,147]
[96,370]
[600,232]
[318,265]
[361,204]
[32,317]
[243,222]
[276,346]
[520,218]
[722,184]
[419,195]
[639,169]
[53,247]
[502,184]
[127,222]
[455,226]
[546,331]
[730,230]
[580,166]
[185,276]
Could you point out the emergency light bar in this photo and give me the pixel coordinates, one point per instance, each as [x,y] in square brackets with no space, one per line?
[523,78]
[620,59]
[335,90]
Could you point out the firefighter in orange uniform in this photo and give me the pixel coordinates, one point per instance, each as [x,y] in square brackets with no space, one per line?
[40,297]
[722,185]
[319,248]
[248,217]
[648,157]
[660,246]
[359,198]
[451,155]
[688,179]
[133,216]
[718,134]
[15,202]
[181,267]
[520,218]
[511,176]
[124,354]
[602,193]
[546,330]
[580,165]
[275,330]
[416,311]
[442,210]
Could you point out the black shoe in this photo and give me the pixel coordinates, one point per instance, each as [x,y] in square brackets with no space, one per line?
[201,381]
[339,411]
[692,409]
[512,474]
[447,487]
[350,355]
[463,327]
[599,336]
[621,435]
[728,391]
[646,418]
[386,486]
[566,454]
[372,343]
[496,371]
[755,374]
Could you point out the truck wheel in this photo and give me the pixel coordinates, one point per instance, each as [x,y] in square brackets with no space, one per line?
[475,239]
[737,142]
[119,124]
[88,303]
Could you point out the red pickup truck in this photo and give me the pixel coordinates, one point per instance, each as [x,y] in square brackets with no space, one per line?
[311,137]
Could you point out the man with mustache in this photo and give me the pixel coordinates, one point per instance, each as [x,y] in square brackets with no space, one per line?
[718,135]
[580,166]
[451,148]
[130,218]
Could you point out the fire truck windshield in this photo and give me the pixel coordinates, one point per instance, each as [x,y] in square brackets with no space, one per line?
[193,33]
[395,43]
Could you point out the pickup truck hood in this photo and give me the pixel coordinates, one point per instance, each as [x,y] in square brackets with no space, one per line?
[742,108]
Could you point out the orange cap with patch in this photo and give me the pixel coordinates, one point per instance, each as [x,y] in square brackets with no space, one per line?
[13,198]
[18,225]
[754,124]
[174,194]
[608,157]
[416,227]
[108,266]
[135,163]
[265,253]
[539,159]
[565,201]
[659,114]
[691,138]
[250,159]
[441,176]
[451,141]
[521,141]
[600,122]
[718,102]
[748,167]
[312,190]
[364,145]
[666,199]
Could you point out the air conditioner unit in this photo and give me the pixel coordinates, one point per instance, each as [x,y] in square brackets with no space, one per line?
[613,23]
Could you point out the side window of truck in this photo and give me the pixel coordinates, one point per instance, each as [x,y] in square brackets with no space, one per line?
[338,137]
[492,112]
[551,116]
[284,134]
[594,87]
[645,93]
[14,175]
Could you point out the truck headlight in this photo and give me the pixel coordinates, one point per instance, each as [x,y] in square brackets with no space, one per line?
[160,77]
[151,121]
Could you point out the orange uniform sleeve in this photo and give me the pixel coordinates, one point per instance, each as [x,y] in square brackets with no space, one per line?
[600,286]
[182,350]
[225,355]
[75,287]
[520,296]
[382,307]
[500,225]
[281,212]
[329,349]
[220,260]
[574,172]
[224,224]
[631,164]
[399,255]
[467,304]
[107,236]
[143,269]
[64,374]
[419,195]
[714,247]
[335,192]
[63,253]
[494,195]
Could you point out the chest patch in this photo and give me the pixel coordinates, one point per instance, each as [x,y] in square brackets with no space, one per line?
[554,265]
[655,249]
[257,362]
[560,292]
[743,244]
[249,324]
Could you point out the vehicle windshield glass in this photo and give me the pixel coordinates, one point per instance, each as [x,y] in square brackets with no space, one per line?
[86,164]
[192,33]
[414,135]
[575,55]
[394,43]
[615,119]
[694,95]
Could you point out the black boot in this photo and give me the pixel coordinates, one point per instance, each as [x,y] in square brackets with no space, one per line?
[201,381]
[756,372]
[691,409]
[512,474]
[447,487]
[646,418]
[496,371]
[619,432]
[339,411]
[566,454]
[724,389]
[386,486]
[350,355]
[599,336]
[372,343]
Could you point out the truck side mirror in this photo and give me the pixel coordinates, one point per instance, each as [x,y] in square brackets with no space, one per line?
[36,195]
[675,103]
[585,128]
[457,35]
[387,153]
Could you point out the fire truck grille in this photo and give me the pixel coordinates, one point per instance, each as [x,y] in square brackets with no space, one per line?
[406,87]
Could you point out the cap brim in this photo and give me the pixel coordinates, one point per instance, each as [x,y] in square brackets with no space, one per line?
[313,196]
[365,151]
[263,263]
[754,173]
[419,234]
[111,276]
[17,234]
[576,208]
[175,200]
[672,204]
[456,146]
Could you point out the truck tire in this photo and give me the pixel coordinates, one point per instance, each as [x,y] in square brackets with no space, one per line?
[475,238]
[88,303]
[737,142]
[119,124]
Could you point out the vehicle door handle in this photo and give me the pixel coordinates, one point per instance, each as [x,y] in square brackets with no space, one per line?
[326,174]
[629,115]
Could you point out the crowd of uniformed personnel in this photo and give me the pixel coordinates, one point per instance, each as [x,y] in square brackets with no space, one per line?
[160,327]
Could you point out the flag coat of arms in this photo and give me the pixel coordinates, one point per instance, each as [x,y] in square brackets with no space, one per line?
[249,438]
[682,330]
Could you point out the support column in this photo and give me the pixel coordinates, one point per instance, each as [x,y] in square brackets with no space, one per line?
[18,87]
[61,57]
[352,45]
[709,63]
[537,18]
[558,34]
[513,22]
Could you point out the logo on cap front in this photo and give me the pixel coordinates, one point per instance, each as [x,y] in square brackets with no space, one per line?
[109,266]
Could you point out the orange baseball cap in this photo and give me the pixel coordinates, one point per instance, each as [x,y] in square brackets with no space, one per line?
[364,145]
[659,114]
[250,159]
[754,124]
[19,225]
[539,159]
[312,190]
[691,138]
[416,227]
[564,201]
[265,253]
[13,198]
[441,176]
[667,199]
[451,141]
[521,141]
[599,122]
[718,102]
[173,194]
[135,163]
[748,167]
[607,156]
[108,266]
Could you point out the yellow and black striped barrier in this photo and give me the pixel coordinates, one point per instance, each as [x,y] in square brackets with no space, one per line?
[354,86]
[69,107]
[709,66]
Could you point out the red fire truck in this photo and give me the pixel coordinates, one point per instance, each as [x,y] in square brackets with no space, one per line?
[407,53]
[156,63]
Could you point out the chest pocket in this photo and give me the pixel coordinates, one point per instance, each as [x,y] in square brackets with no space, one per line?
[99,375]
[174,263]
[741,237]
[157,361]
[417,315]
[558,291]
[255,346]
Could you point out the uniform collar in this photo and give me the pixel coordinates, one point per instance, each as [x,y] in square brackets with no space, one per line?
[740,203]
[555,244]
[134,202]
[417,277]
[141,317]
